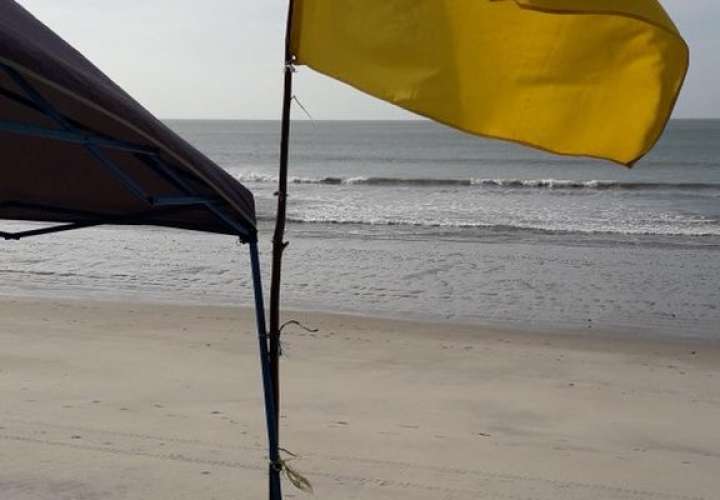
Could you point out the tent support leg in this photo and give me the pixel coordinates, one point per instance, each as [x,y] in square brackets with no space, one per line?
[275,490]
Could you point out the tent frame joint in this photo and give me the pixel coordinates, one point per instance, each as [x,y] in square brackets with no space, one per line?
[72,132]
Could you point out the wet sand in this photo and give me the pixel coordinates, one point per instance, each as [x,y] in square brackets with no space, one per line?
[102,400]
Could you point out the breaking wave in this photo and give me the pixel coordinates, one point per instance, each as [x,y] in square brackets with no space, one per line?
[491,183]
[699,229]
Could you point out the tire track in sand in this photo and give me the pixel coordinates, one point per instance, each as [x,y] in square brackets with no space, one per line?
[373,472]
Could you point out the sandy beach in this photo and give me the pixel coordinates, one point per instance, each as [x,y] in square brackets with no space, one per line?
[104,400]
[481,301]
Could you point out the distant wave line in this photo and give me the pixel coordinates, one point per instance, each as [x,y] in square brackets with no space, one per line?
[492,183]
[509,228]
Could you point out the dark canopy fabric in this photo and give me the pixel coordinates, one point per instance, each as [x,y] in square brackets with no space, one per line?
[74,147]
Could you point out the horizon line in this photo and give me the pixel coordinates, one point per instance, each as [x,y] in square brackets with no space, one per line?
[420,119]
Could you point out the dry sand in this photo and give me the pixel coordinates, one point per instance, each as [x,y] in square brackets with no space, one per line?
[141,401]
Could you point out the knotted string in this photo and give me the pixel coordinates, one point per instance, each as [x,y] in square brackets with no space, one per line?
[296,479]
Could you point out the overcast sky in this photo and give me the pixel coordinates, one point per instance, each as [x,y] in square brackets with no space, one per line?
[223,58]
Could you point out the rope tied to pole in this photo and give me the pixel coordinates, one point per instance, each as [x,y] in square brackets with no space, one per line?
[291,474]
[289,323]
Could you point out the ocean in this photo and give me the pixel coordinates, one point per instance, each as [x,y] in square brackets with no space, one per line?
[415,220]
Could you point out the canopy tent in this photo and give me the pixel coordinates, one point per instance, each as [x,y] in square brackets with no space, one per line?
[78,151]
[77,148]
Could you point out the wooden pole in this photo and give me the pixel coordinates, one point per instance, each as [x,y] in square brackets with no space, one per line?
[279,243]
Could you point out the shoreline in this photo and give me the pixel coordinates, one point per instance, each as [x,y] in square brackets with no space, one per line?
[579,331]
[141,400]
[544,287]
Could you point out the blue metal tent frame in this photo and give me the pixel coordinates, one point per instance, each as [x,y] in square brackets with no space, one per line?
[72,132]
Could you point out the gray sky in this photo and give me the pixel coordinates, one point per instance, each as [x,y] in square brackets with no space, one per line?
[223,58]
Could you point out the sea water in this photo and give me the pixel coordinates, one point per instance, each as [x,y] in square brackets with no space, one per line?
[415,220]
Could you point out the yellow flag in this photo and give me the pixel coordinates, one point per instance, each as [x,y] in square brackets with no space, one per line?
[579,77]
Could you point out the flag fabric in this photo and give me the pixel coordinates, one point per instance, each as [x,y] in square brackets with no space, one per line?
[595,78]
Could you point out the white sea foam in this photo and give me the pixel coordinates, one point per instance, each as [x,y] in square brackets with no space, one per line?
[512,183]
[687,228]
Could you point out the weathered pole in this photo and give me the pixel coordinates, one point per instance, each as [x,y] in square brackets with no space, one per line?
[279,243]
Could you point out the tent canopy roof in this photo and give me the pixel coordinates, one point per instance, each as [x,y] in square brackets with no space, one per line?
[76,148]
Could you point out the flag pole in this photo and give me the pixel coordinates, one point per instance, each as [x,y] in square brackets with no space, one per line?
[279,243]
